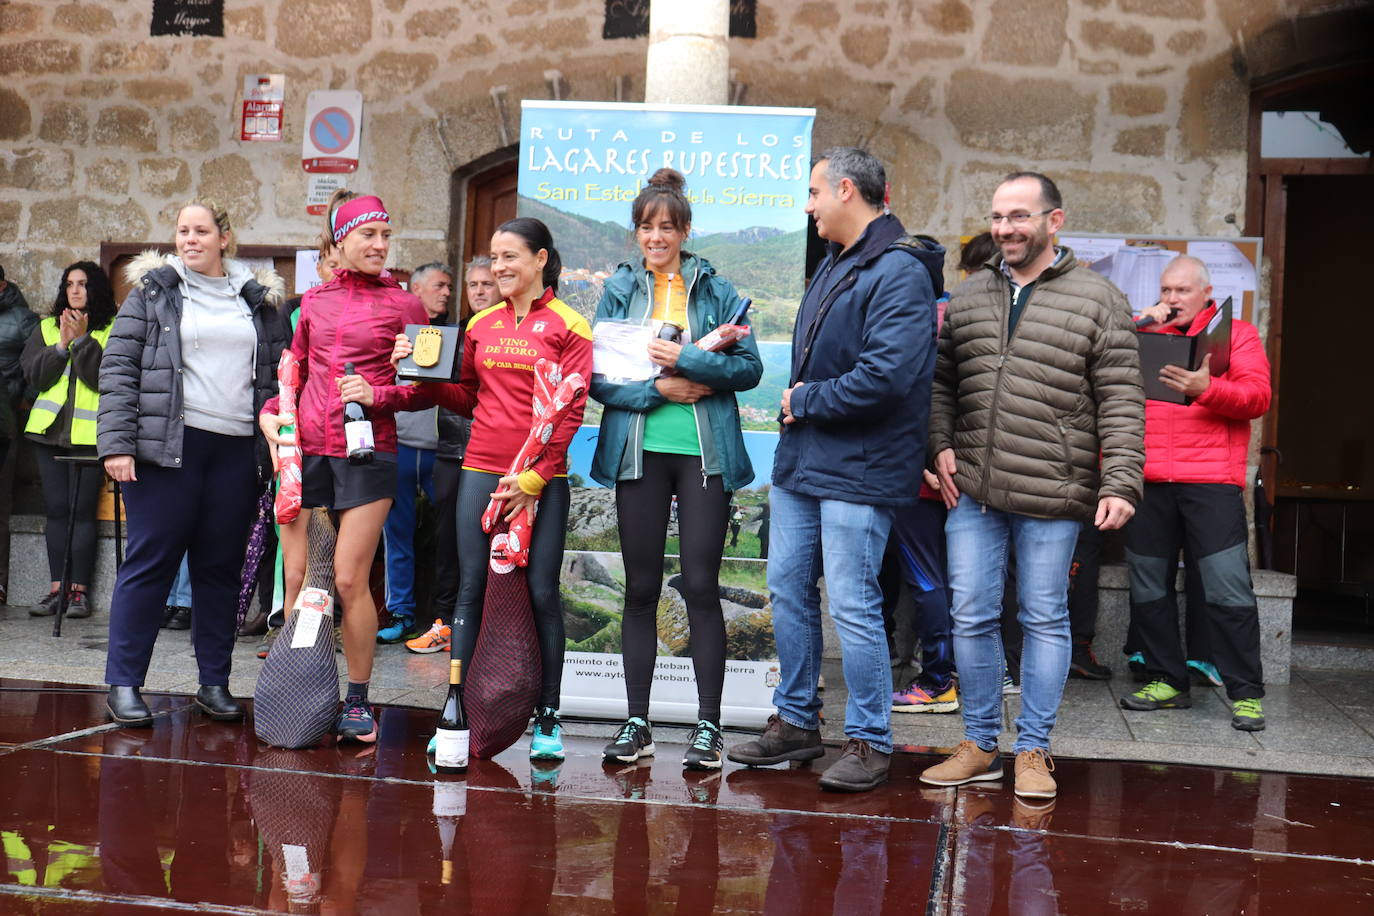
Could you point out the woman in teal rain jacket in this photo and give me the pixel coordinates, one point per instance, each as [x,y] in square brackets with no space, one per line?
[677,434]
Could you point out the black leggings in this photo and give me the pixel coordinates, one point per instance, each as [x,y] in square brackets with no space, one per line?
[546,560]
[446,577]
[642,508]
[56,494]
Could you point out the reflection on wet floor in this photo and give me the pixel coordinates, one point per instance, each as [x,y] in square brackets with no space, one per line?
[194,813]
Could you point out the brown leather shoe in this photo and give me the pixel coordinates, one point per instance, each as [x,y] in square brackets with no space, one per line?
[969,763]
[779,743]
[859,768]
[1032,814]
[1033,779]
[255,625]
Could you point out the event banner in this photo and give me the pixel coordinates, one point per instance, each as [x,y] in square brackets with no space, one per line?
[581,166]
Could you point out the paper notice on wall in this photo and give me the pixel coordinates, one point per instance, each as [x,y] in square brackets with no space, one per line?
[1093,252]
[319,188]
[1136,272]
[257,264]
[1232,272]
[307,276]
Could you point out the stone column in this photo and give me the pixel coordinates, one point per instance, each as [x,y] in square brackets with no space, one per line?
[689,53]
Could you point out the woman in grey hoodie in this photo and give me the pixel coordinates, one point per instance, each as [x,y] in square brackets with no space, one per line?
[190,362]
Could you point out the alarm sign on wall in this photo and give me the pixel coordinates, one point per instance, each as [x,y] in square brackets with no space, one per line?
[264,96]
[333,122]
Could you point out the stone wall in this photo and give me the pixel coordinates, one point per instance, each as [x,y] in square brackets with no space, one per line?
[1137,106]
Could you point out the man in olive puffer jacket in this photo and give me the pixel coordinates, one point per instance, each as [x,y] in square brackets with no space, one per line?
[1037,424]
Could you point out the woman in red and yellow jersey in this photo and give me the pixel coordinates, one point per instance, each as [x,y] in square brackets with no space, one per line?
[500,348]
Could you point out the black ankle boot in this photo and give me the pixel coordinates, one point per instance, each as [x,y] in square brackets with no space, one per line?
[127,707]
[214,700]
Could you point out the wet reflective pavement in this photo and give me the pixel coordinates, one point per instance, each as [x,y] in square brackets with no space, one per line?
[194,814]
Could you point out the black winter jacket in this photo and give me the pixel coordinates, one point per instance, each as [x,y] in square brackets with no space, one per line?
[140,377]
[17,324]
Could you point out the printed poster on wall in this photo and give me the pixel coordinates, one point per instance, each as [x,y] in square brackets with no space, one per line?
[581,166]
[1136,262]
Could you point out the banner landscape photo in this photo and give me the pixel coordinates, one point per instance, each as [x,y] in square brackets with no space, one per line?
[581,166]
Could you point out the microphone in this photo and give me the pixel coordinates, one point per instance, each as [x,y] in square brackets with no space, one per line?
[1146,321]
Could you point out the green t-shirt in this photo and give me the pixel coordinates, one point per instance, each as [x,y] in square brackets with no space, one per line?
[671,427]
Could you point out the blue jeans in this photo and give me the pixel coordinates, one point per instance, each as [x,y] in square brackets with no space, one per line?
[845,541]
[180,595]
[414,471]
[978,538]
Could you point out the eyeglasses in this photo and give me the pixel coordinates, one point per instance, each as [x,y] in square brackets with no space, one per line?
[1016,219]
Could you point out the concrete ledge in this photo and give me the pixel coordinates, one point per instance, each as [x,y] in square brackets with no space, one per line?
[29,580]
[1274,593]
[1273,590]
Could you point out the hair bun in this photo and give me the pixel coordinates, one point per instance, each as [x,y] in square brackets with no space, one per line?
[668,180]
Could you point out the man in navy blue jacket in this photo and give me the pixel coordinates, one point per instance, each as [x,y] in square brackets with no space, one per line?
[849,455]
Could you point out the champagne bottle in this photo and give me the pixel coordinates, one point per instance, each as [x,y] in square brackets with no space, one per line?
[451,748]
[357,428]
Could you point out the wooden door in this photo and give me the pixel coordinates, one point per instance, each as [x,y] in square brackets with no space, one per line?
[491,196]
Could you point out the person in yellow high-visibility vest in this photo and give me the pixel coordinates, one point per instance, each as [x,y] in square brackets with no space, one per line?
[62,362]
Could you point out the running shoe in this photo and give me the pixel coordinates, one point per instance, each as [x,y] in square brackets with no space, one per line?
[438,638]
[356,722]
[704,747]
[634,740]
[1204,672]
[267,641]
[79,604]
[1157,694]
[1084,664]
[547,740]
[916,698]
[1247,715]
[544,775]
[1009,687]
[1136,662]
[401,628]
[48,606]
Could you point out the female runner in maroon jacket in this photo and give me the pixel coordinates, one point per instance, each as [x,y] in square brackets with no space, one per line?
[353,318]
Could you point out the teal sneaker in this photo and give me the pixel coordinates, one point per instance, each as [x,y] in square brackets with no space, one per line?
[1136,663]
[547,742]
[1204,672]
[544,775]
[1009,687]
[1157,695]
[632,741]
[403,628]
[1247,715]
[704,747]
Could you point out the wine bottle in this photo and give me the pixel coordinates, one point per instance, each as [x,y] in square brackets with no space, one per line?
[357,428]
[451,748]
[450,804]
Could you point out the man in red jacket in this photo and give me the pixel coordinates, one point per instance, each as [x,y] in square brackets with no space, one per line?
[1194,482]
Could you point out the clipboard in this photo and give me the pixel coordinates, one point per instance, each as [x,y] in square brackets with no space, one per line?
[1160,350]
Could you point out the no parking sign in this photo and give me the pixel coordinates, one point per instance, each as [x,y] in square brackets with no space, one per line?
[333,122]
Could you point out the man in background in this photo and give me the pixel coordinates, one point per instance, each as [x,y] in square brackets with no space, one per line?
[479,286]
[1195,458]
[417,438]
